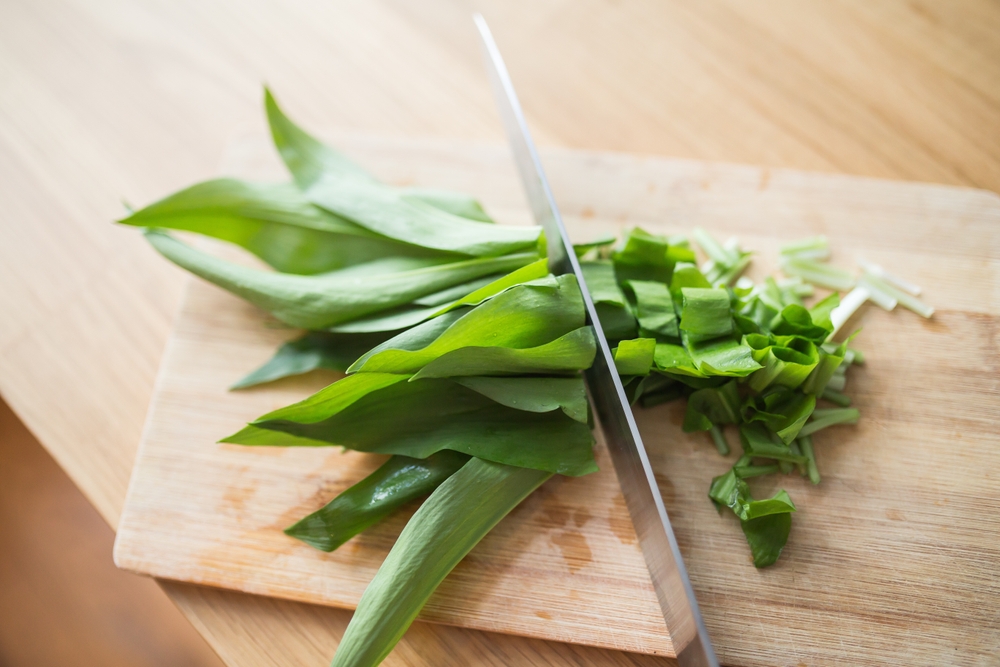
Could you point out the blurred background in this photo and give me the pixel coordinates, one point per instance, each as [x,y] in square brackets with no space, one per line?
[105,100]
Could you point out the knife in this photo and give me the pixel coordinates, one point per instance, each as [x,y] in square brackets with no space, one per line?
[607,395]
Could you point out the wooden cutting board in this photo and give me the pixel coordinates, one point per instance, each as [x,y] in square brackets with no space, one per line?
[894,558]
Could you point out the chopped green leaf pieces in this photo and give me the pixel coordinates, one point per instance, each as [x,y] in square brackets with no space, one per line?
[635,357]
[706,312]
[654,309]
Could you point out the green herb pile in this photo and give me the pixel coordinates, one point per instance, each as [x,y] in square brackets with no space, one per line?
[747,355]
[750,356]
[463,355]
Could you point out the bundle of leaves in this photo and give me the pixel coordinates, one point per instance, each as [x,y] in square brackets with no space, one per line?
[349,254]
[477,407]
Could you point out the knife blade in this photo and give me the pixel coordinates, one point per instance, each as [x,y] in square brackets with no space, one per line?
[614,415]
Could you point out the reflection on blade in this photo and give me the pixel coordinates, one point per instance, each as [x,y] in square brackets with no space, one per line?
[617,425]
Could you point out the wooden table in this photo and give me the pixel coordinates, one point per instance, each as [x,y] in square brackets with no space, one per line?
[101,101]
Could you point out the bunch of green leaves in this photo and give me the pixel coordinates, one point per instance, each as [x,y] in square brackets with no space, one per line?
[747,355]
[350,256]
[476,407]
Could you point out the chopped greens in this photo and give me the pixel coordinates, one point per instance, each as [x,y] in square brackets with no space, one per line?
[747,354]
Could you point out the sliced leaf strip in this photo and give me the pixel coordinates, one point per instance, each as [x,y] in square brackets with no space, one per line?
[635,357]
[706,312]
[609,300]
[829,417]
[643,256]
[654,309]
[711,407]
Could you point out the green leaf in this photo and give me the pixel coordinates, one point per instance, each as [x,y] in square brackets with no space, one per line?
[569,353]
[643,256]
[724,489]
[654,389]
[635,357]
[333,398]
[437,414]
[787,361]
[783,410]
[758,442]
[335,184]
[315,350]
[380,209]
[712,406]
[398,481]
[686,276]
[609,300]
[448,201]
[795,320]
[706,312]
[722,357]
[582,249]
[319,302]
[391,319]
[766,523]
[653,307]
[306,158]
[535,394]
[675,359]
[525,316]
[275,222]
[445,528]
[830,359]
[767,536]
[412,313]
[820,313]
[536,273]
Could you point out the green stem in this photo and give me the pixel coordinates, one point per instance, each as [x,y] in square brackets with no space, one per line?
[823,418]
[719,438]
[446,527]
[806,445]
[836,397]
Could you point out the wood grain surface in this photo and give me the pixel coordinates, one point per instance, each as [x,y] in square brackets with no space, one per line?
[63,601]
[893,555]
[108,99]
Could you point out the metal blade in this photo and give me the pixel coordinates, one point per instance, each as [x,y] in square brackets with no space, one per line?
[635,474]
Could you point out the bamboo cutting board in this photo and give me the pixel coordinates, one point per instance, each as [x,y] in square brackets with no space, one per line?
[894,558]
